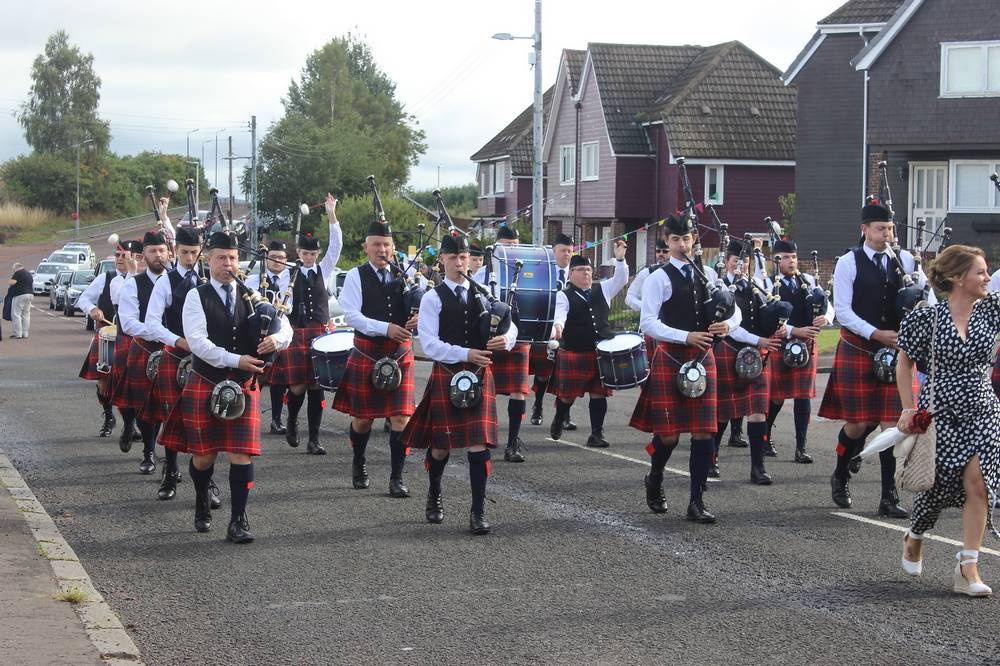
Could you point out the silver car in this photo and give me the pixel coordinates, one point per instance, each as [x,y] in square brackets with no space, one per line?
[45,275]
[57,290]
[78,283]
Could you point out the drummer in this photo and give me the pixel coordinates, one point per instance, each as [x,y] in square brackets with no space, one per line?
[373,305]
[581,319]
[475,257]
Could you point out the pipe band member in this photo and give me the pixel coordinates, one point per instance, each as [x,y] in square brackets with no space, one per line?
[123,344]
[539,363]
[277,276]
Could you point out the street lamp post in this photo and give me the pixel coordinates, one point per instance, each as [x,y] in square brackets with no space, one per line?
[76,222]
[197,182]
[537,211]
[188,152]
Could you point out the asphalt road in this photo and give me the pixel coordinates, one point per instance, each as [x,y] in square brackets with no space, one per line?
[577,570]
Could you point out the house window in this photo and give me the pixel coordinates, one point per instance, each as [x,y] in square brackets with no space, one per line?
[567,164]
[713,184]
[589,166]
[970,69]
[971,189]
[499,178]
[485,179]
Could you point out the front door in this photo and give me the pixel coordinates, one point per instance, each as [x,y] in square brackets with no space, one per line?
[928,200]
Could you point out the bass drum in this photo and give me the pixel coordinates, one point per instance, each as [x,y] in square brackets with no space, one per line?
[535,301]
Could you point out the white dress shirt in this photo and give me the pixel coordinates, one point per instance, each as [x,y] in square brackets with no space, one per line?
[88,299]
[609,288]
[161,299]
[329,261]
[843,289]
[633,297]
[350,300]
[128,306]
[279,285]
[196,330]
[656,291]
[429,325]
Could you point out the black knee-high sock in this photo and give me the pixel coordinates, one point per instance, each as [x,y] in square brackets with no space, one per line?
[700,461]
[435,470]
[277,401]
[737,426]
[562,410]
[240,483]
[659,454]
[756,432]
[847,448]
[515,414]
[128,418]
[103,400]
[359,443]
[314,411]
[802,408]
[888,464]
[598,410]
[772,414]
[171,463]
[397,454]
[479,471]
[541,385]
[294,405]
[720,431]
[148,431]
[200,477]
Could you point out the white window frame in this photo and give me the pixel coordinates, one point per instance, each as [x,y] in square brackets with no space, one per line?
[584,148]
[499,178]
[720,180]
[485,180]
[564,178]
[984,91]
[992,166]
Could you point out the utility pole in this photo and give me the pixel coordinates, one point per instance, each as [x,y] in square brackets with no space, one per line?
[537,211]
[230,177]
[253,180]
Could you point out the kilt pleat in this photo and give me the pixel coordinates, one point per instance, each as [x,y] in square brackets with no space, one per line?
[191,428]
[164,393]
[661,408]
[510,369]
[853,394]
[735,396]
[294,365]
[123,345]
[438,424]
[134,388]
[539,364]
[358,397]
[788,383]
[577,374]
[89,369]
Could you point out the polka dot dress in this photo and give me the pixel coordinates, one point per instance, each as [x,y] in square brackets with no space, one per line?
[961,377]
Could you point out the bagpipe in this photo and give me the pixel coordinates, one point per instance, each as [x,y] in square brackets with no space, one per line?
[413,292]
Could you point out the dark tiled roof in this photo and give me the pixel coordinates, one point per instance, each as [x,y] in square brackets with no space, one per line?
[574,60]
[863,11]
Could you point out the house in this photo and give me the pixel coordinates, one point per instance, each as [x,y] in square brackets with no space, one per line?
[915,83]
[615,129]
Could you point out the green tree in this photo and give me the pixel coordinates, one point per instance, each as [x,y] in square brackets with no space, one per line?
[460,199]
[61,110]
[787,204]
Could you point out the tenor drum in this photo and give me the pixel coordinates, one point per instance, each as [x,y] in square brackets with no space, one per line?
[329,354]
[535,299]
[621,361]
[106,348]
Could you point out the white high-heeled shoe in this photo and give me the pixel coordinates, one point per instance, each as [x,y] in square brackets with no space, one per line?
[911,568]
[963,586]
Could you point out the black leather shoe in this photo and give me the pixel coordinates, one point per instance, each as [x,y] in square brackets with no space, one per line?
[697,513]
[148,464]
[770,451]
[889,507]
[136,435]
[536,415]
[556,429]
[202,514]
[168,485]
[759,477]
[359,475]
[397,488]
[714,472]
[434,511]
[214,498]
[315,448]
[277,428]
[568,425]
[655,500]
[597,441]
[840,491]
[738,441]
[125,441]
[802,457]
[855,465]
[292,433]
[109,425]
[478,523]
[239,531]
[514,452]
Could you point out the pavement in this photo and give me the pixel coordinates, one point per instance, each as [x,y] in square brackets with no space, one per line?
[577,570]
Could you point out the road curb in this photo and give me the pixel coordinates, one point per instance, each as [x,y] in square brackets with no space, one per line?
[103,627]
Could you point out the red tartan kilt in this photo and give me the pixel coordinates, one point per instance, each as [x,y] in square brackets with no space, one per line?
[191,428]
[132,391]
[788,383]
[735,396]
[539,364]
[577,375]
[123,345]
[662,409]
[438,424]
[294,365]
[510,369]
[165,392]
[89,369]
[650,348]
[853,394]
[358,397]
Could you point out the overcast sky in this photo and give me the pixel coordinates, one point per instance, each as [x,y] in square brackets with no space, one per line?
[169,68]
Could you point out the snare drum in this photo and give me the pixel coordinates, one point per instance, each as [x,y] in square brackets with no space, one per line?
[329,353]
[106,348]
[621,361]
[536,287]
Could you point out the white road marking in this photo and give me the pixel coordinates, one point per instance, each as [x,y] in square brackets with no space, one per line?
[58,317]
[618,456]
[901,528]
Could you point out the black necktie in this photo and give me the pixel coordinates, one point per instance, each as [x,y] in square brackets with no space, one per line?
[274,281]
[878,262]
[586,294]
[192,278]
[228,288]
[791,284]
[460,293]
[561,282]
[687,272]
[381,275]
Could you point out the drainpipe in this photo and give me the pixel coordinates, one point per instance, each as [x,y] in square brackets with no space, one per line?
[864,130]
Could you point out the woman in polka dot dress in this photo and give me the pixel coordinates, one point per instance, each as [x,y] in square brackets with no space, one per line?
[967,473]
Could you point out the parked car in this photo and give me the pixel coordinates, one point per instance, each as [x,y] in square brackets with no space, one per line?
[57,290]
[77,285]
[105,266]
[71,258]
[45,274]
[185,221]
[84,248]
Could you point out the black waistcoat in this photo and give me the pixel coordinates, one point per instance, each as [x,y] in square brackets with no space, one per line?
[586,323]
[172,314]
[801,312]
[749,304]
[381,302]
[310,300]
[104,300]
[143,289]
[685,309]
[874,297]
[459,322]
[231,334]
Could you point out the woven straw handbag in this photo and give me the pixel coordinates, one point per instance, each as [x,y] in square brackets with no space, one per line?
[918,453]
